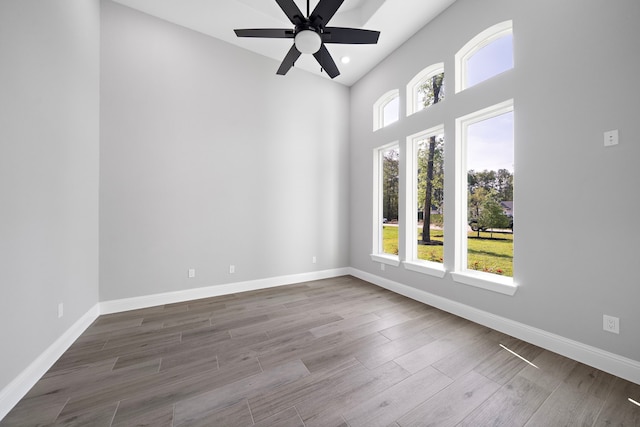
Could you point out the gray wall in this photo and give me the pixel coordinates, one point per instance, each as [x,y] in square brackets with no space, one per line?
[575,76]
[208,158]
[49,101]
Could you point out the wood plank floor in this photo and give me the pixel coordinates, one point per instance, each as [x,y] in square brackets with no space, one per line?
[336,352]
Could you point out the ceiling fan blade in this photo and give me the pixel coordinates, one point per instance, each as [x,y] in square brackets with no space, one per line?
[326,62]
[288,61]
[269,33]
[292,11]
[349,35]
[324,11]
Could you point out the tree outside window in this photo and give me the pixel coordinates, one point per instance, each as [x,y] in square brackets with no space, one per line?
[390,199]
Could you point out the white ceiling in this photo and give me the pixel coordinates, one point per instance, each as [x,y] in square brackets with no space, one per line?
[397,20]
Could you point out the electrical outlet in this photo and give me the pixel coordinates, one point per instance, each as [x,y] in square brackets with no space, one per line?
[192,273]
[611,324]
[381,266]
[611,138]
[60,310]
[313,259]
[232,269]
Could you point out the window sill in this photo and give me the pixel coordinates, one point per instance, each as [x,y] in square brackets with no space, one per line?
[491,282]
[393,260]
[426,267]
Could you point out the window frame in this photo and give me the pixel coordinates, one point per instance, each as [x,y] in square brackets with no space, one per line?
[460,273]
[417,81]
[380,104]
[481,40]
[377,252]
[411,261]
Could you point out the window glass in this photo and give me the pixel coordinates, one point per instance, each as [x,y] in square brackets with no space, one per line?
[386,109]
[391,111]
[429,197]
[430,91]
[487,54]
[389,199]
[489,169]
[420,90]
[490,60]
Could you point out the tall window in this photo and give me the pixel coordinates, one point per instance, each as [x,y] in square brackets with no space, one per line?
[484,193]
[425,207]
[420,90]
[386,203]
[386,109]
[486,55]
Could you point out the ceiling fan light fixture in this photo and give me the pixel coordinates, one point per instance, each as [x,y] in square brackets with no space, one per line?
[311,34]
[308,41]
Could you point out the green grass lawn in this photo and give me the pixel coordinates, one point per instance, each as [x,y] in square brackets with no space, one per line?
[491,255]
[390,239]
[485,254]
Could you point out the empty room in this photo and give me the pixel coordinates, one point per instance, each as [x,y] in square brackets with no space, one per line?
[322,213]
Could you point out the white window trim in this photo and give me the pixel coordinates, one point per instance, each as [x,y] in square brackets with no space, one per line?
[387,259]
[461,274]
[410,249]
[426,267]
[416,82]
[378,108]
[491,282]
[377,253]
[483,39]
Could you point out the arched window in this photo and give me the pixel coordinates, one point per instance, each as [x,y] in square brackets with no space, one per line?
[484,166]
[484,56]
[420,88]
[386,109]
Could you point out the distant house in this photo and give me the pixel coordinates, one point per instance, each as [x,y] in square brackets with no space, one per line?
[507,207]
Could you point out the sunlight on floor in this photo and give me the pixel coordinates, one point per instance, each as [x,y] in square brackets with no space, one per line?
[517,355]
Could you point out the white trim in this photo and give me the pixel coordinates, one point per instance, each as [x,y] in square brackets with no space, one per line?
[126,304]
[614,364]
[491,282]
[426,267]
[11,394]
[416,82]
[474,45]
[388,259]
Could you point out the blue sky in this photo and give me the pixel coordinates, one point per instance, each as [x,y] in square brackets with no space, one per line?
[492,59]
[490,142]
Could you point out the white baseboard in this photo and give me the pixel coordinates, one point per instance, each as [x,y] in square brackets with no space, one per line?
[126,304]
[605,361]
[18,388]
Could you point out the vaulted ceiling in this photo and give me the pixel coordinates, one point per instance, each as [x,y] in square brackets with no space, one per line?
[397,20]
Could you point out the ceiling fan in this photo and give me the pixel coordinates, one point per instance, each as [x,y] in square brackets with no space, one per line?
[311,33]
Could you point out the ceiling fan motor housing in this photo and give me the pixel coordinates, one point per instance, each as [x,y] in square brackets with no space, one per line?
[307,39]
